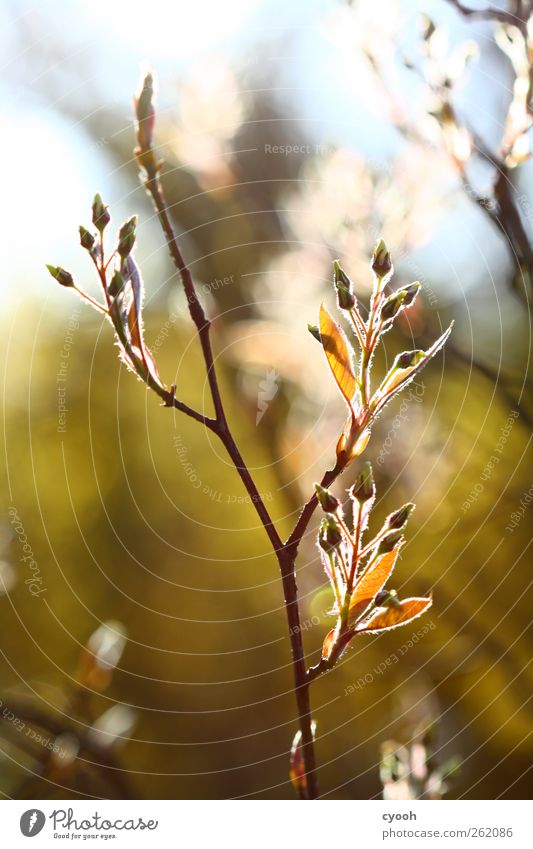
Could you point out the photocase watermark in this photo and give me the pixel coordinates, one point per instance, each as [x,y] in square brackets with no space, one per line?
[212,493]
[35,581]
[268,389]
[415,394]
[62,374]
[32,822]
[518,515]
[381,668]
[65,824]
[492,462]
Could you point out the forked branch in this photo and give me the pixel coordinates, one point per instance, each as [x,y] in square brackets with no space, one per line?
[357,571]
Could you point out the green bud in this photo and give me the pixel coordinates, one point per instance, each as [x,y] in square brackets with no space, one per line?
[340,278]
[399,518]
[116,284]
[126,237]
[411,292]
[333,534]
[381,260]
[392,305]
[64,278]
[101,216]
[324,544]
[387,598]
[345,299]
[408,359]
[388,542]
[343,284]
[145,113]
[364,488]
[315,332]
[86,239]
[327,501]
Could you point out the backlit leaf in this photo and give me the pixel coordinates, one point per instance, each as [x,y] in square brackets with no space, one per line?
[297,767]
[338,354]
[397,378]
[328,643]
[371,582]
[386,618]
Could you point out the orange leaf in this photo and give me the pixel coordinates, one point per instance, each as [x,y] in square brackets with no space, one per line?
[386,618]
[371,582]
[328,643]
[352,441]
[338,354]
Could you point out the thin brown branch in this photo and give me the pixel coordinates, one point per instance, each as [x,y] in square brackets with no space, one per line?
[487,14]
[203,325]
[219,425]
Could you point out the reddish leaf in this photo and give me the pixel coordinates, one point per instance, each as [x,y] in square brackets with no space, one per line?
[338,354]
[297,767]
[328,644]
[386,618]
[371,582]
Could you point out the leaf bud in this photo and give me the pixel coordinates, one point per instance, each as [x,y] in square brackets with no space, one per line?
[411,292]
[64,278]
[389,541]
[381,260]
[343,284]
[340,278]
[399,518]
[392,305]
[101,216]
[116,283]
[345,299]
[315,332]
[408,359]
[126,237]
[387,598]
[327,501]
[333,533]
[364,488]
[86,239]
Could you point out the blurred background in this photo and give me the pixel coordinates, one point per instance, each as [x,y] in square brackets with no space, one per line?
[292,134]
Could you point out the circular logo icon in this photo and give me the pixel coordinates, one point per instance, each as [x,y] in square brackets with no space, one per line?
[32,822]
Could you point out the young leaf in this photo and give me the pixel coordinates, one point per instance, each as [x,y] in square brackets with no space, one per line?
[387,618]
[132,274]
[297,767]
[328,644]
[338,641]
[371,582]
[339,356]
[398,377]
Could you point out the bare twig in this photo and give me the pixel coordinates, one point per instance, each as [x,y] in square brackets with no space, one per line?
[487,14]
[219,425]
